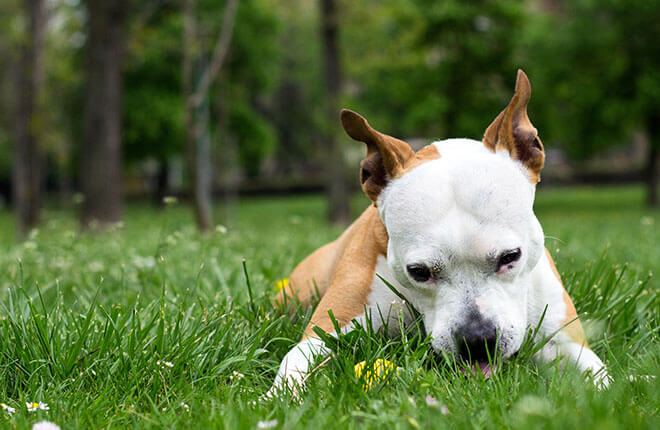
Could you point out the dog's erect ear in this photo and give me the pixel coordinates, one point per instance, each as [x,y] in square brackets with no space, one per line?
[386,156]
[512,130]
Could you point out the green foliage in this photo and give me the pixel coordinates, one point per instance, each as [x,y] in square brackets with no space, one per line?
[434,68]
[153,102]
[151,326]
[257,138]
[250,79]
[594,68]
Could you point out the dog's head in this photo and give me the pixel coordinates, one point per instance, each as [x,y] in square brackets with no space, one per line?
[463,238]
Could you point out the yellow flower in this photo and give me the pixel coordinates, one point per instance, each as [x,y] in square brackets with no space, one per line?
[378,371]
[281,284]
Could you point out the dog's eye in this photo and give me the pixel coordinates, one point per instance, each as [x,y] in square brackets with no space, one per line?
[507,258]
[419,272]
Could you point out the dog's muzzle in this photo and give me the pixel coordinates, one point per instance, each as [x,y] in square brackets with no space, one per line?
[477,343]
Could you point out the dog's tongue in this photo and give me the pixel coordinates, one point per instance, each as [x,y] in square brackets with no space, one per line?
[482,367]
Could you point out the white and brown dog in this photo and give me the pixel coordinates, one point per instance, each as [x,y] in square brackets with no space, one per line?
[452,228]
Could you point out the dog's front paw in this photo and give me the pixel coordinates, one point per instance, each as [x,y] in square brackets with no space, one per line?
[601,378]
[286,386]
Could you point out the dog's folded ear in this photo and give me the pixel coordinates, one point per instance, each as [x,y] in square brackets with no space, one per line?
[386,158]
[513,131]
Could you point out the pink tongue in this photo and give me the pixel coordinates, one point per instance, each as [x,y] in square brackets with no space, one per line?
[481,366]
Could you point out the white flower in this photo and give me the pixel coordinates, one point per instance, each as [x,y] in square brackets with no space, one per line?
[431,401]
[45,425]
[186,407]
[33,406]
[163,364]
[236,375]
[170,200]
[8,408]
[144,262]
[263,425]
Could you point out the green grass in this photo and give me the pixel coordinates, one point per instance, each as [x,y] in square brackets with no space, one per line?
[87,323]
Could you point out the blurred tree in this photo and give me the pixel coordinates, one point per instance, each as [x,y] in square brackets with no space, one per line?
[432,68]
[245,93]
[596,66]
[196,87]
[11,36]
[152,103]
[299,91]
[28,156]
[100,164]
[337,188]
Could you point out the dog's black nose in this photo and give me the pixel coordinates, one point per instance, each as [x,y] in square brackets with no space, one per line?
[476,339]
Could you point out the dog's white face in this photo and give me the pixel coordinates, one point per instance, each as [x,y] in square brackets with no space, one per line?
[463,239]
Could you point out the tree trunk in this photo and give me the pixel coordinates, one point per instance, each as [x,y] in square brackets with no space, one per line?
[229,162]
[198,76]
[100,174]
[652,161]
[201,198]
[162,185]
[28,160]
[336,187]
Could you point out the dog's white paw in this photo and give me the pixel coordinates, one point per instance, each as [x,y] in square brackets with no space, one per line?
[289,386]
[601,378]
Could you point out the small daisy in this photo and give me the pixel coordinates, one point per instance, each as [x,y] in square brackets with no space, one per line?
[45,425]
[236,375]
[431,401]
[263,425]
[33,406]
[164,364]
[8,408]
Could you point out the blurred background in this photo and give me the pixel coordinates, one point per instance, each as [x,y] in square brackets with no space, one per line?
[109,102]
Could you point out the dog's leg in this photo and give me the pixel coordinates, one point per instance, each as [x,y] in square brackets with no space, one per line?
[296,364]
[569,342]
[346,297]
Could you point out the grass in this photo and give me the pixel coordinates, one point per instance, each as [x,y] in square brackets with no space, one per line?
[151,326]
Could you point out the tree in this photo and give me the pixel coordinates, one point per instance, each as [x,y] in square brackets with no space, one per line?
[596,66]
[28,157]
[429,68]
[100,164]
[337,188]
[152,99]
[195,88]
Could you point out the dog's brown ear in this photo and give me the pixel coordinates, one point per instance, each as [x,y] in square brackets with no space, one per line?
[386,156]
[512,130]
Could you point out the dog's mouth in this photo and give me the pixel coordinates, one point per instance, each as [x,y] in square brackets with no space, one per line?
[474,368]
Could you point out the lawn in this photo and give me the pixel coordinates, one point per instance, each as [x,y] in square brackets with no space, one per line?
[151,325]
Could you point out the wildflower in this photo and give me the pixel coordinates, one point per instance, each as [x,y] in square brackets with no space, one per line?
[377,372]
[8,408]
[281,284]
[221,229]
[163,364]
[646,220]
[144,262]
[170,200]
[263,425]
[431,401]
[236,375]
[45,425]
[185,406]
[33,406]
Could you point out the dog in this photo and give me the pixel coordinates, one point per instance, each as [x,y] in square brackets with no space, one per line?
[452,229]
